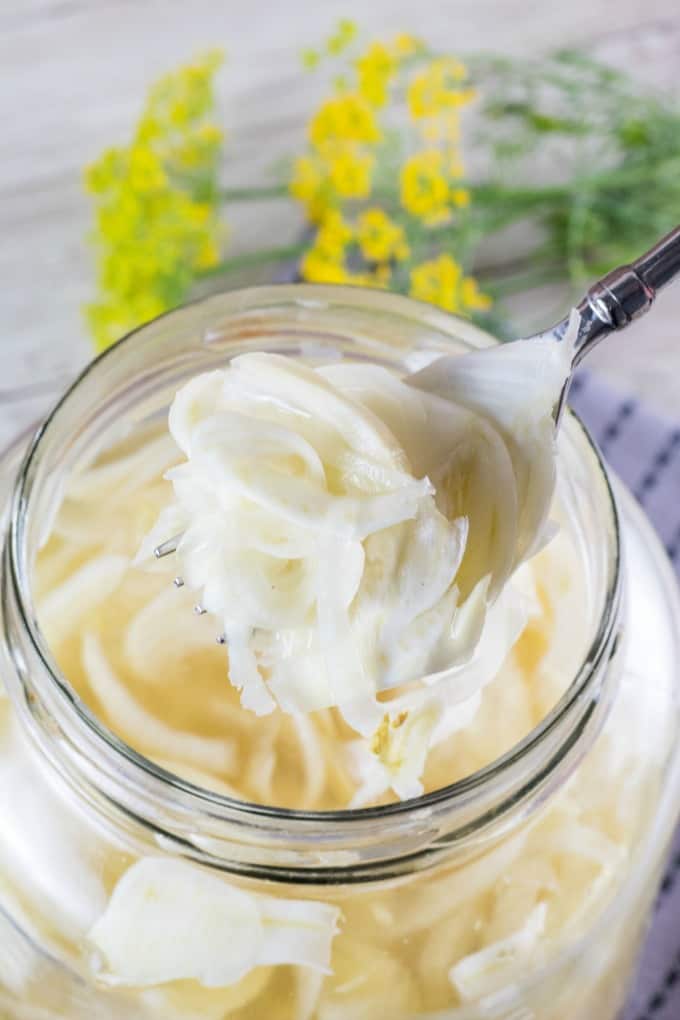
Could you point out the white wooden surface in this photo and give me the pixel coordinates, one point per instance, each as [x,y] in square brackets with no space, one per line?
[72,76]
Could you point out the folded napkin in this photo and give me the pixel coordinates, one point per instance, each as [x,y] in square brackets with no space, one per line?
[644,450]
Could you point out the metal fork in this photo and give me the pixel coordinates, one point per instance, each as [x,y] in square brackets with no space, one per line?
[616,300]
[611,304]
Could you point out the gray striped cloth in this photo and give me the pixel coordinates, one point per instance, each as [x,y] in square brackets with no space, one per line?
[644,450]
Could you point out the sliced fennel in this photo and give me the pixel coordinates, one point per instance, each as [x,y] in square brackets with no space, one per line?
[496,965]
[223,933]
[354,532]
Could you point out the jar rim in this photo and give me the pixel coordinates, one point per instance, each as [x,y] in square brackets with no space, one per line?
[437,800]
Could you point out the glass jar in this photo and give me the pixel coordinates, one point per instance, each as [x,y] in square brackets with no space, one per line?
[413,881]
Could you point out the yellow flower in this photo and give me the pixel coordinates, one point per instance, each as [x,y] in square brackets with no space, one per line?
[342,37]
[210,134]
[424,186]
[180,112]
[381,277]
[462,97]
[316,268]
[333,235]
[307,178]
[350,174]
[441,282]
[380,238]
[306,184]
[338,171]
[157,222]
[438,87]
[185,96]
[197,146]
[145,170]
[325,260]
[108,322]
[117,217]
[437,281]
[346,118]
[105,172]
[310,59]
[460,197]
[208,254]
[404,45]
[195,214]
[375,70]
[472,298]
[148,129]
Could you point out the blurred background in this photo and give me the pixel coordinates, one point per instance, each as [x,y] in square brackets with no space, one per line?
[73,79]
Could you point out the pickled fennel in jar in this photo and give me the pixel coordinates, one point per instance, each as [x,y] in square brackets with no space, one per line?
[377,586]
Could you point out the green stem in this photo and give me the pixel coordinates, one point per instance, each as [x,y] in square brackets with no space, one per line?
[257,258]
[518,266]
[522,197]
[256,194]
[516,282]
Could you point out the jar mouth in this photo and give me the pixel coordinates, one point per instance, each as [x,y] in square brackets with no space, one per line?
[558,725]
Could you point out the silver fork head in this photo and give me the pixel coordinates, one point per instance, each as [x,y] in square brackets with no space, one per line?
[166,549]
[616,300]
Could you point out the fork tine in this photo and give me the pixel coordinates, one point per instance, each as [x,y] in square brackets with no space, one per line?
[165,548]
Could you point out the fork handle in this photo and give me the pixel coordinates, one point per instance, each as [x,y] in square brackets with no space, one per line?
[626,293]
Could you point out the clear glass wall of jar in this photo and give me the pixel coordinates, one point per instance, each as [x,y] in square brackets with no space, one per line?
[80,809]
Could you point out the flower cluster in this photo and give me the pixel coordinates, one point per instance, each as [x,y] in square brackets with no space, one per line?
[382,179]
[343,134]
[388,205]
[441,282]
[381,182]
[157,220]
[373,236]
